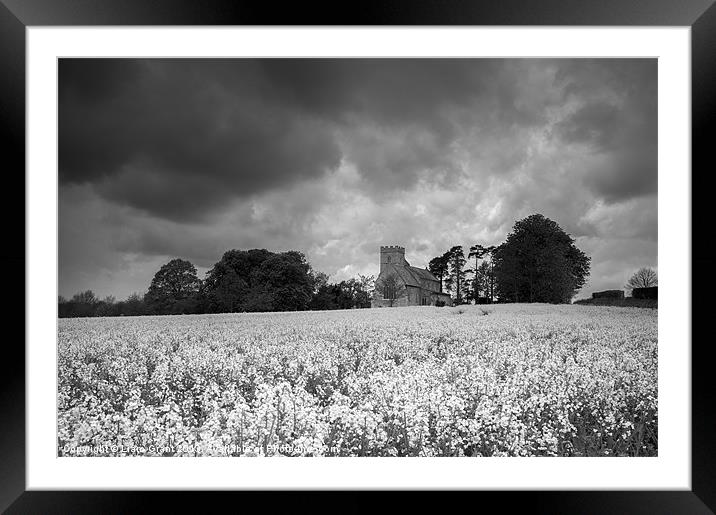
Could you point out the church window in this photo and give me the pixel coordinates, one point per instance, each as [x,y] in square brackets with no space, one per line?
[390,291]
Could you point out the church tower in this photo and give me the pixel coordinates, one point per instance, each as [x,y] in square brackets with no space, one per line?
[392,255]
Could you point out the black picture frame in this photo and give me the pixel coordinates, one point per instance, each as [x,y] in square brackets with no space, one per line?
[16,15]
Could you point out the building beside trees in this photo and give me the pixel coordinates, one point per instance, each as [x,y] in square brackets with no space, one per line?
[400,284]
[538,262]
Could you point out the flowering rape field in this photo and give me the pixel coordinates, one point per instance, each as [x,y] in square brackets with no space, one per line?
[499,380]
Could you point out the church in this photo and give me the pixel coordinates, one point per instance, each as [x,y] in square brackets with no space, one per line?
[400,284]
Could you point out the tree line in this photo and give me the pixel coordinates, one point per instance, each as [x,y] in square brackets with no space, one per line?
[538,262]
[241,281]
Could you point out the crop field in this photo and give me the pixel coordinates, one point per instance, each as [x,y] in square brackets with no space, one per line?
[499,380]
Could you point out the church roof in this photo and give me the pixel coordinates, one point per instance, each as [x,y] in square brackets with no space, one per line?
[422,273]
[412,275]
[405,275]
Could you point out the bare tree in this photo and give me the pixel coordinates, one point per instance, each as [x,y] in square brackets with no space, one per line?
[643,278]
[391,289]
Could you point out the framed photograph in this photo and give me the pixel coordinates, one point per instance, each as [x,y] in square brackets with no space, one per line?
[413,250]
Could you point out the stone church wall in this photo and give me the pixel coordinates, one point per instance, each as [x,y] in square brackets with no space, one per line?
[392,257]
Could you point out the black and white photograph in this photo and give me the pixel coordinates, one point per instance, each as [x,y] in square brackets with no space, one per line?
[357,257]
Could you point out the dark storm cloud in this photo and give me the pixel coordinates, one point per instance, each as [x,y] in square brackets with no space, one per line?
[93,81]
[388,91]
[595,124]
[616,118]
[180,138]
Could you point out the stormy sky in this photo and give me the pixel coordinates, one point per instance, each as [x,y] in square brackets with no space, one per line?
[165,158]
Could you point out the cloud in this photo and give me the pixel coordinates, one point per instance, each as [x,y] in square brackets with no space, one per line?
[614,121]
[180,139]
[335,157]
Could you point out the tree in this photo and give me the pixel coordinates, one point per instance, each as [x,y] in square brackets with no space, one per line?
[481,282]
[477,252]
[324,298]
[228,285]
[134,305]
[259,299]
[391,289]
[106,307]
[643,278]
[346,293]
[285,276]
[82,304]
[174,288]
[319,280]
[456,272]
[352,293]
[323,295]
[539,263]
[438,266]
[229,291]
[363,292]
[491,251]
[85,297]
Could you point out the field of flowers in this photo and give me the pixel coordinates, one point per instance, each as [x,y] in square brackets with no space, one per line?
[500,380]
